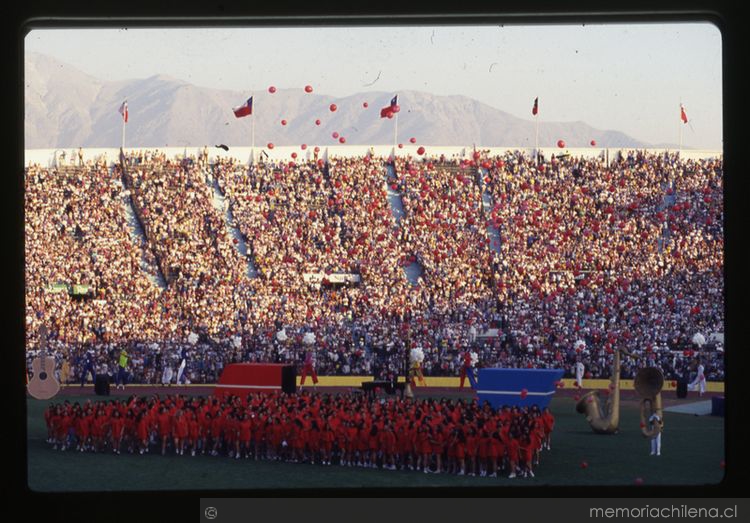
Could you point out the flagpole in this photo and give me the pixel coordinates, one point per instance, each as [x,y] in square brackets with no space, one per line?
[122,145]
[395,133]
[681,124]
[252,126]
[536,139]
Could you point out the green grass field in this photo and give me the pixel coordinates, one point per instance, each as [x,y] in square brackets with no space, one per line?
[692,449]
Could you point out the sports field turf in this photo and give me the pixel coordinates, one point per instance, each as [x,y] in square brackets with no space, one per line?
[692,450]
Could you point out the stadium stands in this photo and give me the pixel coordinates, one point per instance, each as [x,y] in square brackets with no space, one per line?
[591,256]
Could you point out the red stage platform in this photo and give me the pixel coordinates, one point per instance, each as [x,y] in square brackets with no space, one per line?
[241,378]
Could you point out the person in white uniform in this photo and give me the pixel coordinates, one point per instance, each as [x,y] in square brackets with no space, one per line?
[699,383]
[654,421]
[166,376]
[579,373]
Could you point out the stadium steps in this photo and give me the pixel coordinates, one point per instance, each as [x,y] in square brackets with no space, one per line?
[487,205]
[224,207]
[151,269]
[127,183]
[414,270]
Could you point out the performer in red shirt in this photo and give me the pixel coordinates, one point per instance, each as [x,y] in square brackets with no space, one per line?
[206,433]
[231,434]
[388,446]
[180,432]
[142,430]
[309,368]
[313,442]
[56,427]
[467,369]
[549,425]
[102,426]
[117,426]
[458,443]
[363,444]
[424,447]
[194,431]
[438,442]
[48,413]
[164,425]
[328,437]
[217,432]
[373,445]
[245,436]
[514,448]
[260,424]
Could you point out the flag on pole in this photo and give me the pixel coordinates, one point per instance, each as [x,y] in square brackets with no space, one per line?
[245,109]
[390,109]
[123,110]
[535,109]
[683,116]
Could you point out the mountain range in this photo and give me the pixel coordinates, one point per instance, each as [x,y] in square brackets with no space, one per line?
[65,107]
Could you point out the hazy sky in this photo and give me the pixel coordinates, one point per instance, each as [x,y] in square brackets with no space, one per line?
[629,78]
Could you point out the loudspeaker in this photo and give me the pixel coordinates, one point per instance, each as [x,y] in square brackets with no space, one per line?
[289,379]
[101,386]
[682,389]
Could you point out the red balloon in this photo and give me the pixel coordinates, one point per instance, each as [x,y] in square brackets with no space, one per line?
[294,155]
[320,163]
[584,465]
[332,107]
[413,140]
[420,151]
[400,146]
[560,144]
[524,393]
[365,105]
[272,89]
[270,145]
[283,122]
[303,146]
[638,481]
[342,140]
[335,134]
[308,88]
[317,149]
[317,122]
[722,464]
[593,143]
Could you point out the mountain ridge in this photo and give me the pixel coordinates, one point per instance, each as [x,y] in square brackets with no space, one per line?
[65,107]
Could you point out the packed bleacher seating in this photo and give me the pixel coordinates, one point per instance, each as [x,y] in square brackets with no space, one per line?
[592,256]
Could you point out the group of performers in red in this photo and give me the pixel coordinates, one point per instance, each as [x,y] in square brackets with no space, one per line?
[429,435]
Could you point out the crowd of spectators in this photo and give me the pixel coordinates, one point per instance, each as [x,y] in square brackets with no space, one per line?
[591,256]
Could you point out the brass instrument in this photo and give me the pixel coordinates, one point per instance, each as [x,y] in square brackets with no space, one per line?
[604,419]
[648,384]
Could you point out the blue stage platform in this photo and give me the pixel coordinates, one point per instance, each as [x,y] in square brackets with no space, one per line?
[503,386]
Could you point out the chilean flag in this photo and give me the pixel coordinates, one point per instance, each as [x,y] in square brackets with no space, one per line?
[683,116]
[123,110]
[245,109]
[393,108]
[535,109]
